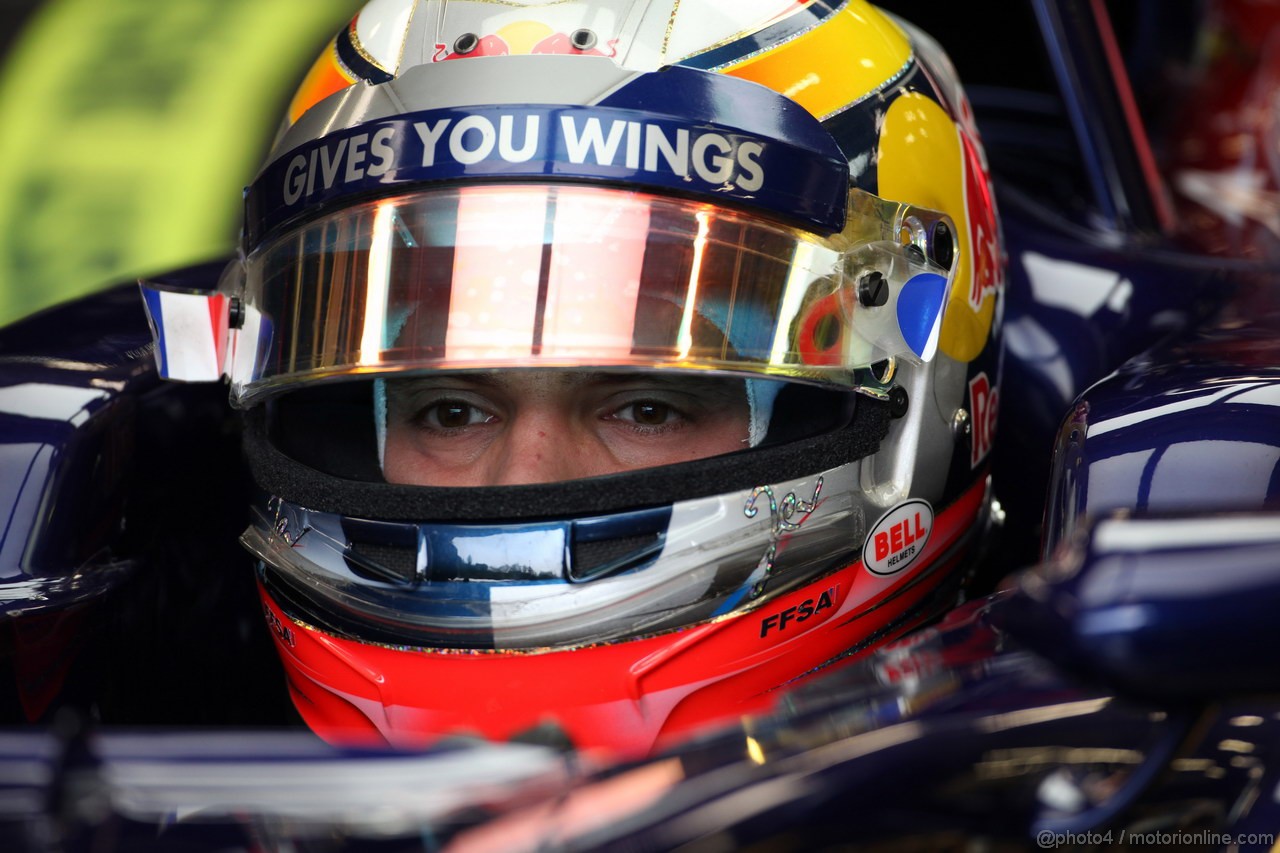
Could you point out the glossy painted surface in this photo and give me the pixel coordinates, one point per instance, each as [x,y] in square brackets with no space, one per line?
[1094,277]
[1076,311]
[1162,605]
[1098,285]
[1193,426]
[71,384]
[65,382]
[122,588]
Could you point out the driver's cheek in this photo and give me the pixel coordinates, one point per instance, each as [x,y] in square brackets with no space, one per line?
[632,449]
[414,457]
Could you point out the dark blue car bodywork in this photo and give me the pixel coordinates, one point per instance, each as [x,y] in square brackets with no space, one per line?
[1119,692]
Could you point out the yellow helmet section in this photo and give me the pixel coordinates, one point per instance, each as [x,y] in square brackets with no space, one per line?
[850,55]
[924,156]
[925,159]
[326,76]
[522,37]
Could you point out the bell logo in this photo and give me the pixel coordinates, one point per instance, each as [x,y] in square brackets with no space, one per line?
[898,538]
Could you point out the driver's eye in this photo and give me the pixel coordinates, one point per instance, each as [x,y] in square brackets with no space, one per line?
[453,414]
[650,414]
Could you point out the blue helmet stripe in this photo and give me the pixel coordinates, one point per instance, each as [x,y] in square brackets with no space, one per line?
[355,62]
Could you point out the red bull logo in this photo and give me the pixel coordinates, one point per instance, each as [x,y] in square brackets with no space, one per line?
[984,403]
[525,37]
[987,262]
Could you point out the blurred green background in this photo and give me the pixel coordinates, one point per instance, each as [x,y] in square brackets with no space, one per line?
[128,129]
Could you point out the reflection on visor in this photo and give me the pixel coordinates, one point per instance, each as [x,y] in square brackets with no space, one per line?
[485,277]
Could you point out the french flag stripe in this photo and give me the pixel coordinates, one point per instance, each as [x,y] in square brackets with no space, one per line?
[190,331]
[155,314]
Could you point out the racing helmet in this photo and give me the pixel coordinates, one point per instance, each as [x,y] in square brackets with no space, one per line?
[774,208]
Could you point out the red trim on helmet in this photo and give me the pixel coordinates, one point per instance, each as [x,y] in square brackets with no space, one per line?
[624,696]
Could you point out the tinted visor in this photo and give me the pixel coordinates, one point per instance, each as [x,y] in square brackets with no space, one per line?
[484,277]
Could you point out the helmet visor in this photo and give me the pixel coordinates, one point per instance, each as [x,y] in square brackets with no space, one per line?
[494,276]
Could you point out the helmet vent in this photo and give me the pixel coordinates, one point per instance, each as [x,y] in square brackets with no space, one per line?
[596,559]
[393,563]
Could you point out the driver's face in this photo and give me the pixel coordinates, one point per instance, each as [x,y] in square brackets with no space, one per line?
[522,427]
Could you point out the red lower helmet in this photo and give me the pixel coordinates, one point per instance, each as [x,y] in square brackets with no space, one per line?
[629,697]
